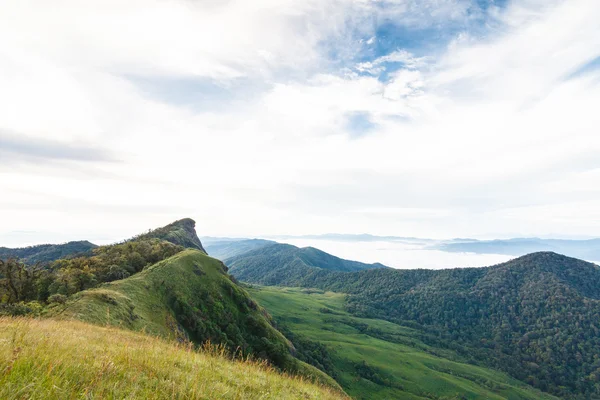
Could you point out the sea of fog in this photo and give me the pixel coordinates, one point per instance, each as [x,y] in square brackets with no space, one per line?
[396,254]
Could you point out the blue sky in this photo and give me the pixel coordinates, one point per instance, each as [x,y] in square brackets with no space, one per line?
[431,118]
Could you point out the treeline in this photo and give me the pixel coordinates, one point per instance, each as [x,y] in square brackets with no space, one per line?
[535,317]
[25,288]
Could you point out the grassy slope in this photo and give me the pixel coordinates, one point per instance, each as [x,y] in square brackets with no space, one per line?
[142,303]
[419,373]
[46,359]
[133,303]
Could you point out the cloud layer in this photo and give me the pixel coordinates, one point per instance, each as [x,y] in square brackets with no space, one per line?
[430,118]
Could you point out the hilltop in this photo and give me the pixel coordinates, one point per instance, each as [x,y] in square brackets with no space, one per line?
[181,232]
[278,263]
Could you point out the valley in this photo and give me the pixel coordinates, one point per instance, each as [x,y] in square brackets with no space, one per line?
[376,359]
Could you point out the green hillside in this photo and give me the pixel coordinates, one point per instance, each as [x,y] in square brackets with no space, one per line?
[47,359]
[535,317]
[45,253]
[376,359]
[273,264]
[188,296]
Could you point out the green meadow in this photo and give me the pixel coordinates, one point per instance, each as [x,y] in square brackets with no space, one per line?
[376,359]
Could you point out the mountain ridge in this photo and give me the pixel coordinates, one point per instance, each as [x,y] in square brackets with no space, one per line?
[268,264]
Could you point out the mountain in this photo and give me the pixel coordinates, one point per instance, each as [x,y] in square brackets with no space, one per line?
[45,253]
[279,263]
[373,359]
[181,233]
[188,297]
[153,284]
[583,249]
[224,248]
[48,359]
[535,317]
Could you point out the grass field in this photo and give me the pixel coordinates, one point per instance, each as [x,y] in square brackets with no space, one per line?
[404,367]
[48,359]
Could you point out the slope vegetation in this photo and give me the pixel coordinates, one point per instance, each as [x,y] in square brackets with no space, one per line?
[46,359]
[535,317]
[188,296]
[376,359]
[278,263]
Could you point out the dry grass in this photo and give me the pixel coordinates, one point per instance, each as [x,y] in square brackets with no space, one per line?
[48,359]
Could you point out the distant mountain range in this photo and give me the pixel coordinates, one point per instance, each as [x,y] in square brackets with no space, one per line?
[586,249]
[583,249]
[44,253]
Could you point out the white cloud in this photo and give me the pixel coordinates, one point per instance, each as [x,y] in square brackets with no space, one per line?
[463,138]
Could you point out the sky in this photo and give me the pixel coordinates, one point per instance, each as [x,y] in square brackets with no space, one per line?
[424,118]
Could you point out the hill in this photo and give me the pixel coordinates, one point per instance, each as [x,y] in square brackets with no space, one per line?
[583,249]
[534,317]
[278,263]
[375,359]
[224,248]
[181,233]
[45,253]
[187,297]
[46,359]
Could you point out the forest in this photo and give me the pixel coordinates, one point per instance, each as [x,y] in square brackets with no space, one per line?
[535,317]
[25,289]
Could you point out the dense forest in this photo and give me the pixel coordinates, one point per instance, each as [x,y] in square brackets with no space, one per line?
[535,317]
[24,288]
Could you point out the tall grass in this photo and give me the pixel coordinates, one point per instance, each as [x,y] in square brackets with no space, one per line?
[48,359]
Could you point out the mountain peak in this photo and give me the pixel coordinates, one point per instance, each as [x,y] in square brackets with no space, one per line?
[181,232]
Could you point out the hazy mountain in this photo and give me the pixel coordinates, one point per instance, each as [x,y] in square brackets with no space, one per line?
[583,249]
[272,263]
[224,248]
[44,253]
